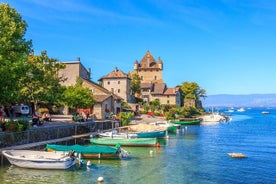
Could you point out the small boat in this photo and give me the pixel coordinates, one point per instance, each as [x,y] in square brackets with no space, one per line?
[241,110]
[116,134]
[170,127]
[265,112]
[136,142]
[148,131]
[237,155]
[40,159]
[152,134]
[213,117]
[93,151]
[187,122]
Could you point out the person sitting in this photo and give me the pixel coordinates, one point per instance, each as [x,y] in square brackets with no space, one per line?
[35,119]
[46,117]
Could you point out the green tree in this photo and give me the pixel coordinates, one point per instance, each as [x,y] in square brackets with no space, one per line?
[191,90]
[155,105]
[41,82]
[14,50]
[125,117]
[135,84]
[77,96]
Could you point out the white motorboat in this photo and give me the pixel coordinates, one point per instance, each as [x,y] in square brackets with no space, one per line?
[241,110]
[40,159]
[116,134]
[213,117]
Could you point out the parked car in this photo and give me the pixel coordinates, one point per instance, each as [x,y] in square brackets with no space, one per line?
[22,109]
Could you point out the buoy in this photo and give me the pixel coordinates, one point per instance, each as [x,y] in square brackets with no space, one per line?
[100,179]
[151,152]
[88,163]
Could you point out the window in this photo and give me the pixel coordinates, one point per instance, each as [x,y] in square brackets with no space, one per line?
[108,82]
[119,90]
[112,90]
[118,82]
[142,78]
[168,101]
[155,77]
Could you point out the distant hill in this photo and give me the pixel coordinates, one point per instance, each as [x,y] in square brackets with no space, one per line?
[254,100]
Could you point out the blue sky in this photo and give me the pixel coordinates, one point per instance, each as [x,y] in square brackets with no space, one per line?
[226,46]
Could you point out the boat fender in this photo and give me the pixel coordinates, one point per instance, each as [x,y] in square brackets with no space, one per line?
[100,179]
[88,163]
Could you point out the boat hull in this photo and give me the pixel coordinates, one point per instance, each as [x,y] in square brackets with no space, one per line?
[187,122]
[152,134]
[91,152]
[135,142]
[38,159]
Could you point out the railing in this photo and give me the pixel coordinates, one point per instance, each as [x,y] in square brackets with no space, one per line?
[8,139]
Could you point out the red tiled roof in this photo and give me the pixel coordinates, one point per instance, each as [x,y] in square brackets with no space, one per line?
[115,74]
[171,91]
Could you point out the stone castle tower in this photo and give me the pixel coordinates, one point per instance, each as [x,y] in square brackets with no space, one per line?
[148,69]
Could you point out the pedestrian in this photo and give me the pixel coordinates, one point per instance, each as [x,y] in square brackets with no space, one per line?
[11,112]
[1,113]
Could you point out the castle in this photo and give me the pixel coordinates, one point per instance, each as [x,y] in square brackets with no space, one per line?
[152,85]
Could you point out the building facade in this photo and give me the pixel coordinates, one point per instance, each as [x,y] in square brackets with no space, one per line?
[152,85]
[106,102]
[118,83]
[149,70]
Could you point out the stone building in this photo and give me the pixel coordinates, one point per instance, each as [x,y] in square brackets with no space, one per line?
[106,101]
[152,85]
[118,83]
[149,69]
[73,70]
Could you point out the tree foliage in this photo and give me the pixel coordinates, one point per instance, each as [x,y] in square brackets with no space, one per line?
[76,96]
[135,84]
[14,50]
[126,117]
[40,81]
[191,90]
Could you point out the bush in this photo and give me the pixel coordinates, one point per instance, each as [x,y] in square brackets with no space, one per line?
[125,117]
[15,126]
[43,110]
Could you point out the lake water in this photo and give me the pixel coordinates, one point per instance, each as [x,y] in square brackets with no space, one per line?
[196,154]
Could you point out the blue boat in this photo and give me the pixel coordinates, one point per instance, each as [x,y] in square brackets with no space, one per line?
[149,134]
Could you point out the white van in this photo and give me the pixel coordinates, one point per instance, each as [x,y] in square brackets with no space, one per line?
[22,109]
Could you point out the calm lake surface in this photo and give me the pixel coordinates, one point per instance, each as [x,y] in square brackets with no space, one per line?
[195,154]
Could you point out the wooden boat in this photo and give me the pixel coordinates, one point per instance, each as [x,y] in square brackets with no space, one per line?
[93,152]
[40,159]
[187,122]
[152,134]
[148,131]
[237,155]
[137,142]
[265,112]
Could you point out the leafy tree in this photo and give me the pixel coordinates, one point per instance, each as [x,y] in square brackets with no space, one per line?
[135,84]
[154,105]
[77,96]
[125,117]
[191,90]
[14,50]
[41,82]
